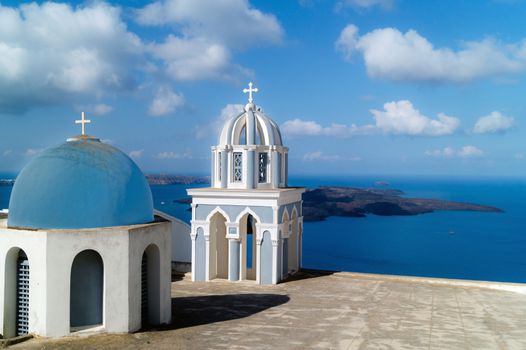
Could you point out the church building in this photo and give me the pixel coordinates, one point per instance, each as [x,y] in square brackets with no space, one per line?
[248,224]
[81,249]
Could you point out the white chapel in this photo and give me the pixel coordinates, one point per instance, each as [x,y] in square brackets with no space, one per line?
[248,224]
[81,249]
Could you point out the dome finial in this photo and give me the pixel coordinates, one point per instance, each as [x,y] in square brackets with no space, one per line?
[250,91]
[83,122]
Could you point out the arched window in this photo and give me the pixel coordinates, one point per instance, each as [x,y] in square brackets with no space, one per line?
[16,294]
[86,290]
[22,294]
[238,166]
[243,136]
[263,166]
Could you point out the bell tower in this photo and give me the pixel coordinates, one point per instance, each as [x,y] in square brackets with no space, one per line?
[249,223]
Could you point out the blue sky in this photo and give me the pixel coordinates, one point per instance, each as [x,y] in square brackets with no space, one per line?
[359,87]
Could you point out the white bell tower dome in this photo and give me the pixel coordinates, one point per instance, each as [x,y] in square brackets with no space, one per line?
[250,153]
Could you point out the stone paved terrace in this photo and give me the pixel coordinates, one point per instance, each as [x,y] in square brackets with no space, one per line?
[321,310]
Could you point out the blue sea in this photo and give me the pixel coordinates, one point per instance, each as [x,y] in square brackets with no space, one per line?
[465,245]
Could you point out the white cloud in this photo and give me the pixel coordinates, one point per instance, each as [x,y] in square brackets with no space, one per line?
[7,152]
[207,32]
[320,156]
[165,101]
[390,54]
[136,154]
[30,152]
[363,4]
[449,152]
[196,59]
[232,22]
[299,127]
[446,152]
[52,51]
[519,156]
[174,155]
[470,151]
[397,118]
[102,109]
[493,123]
[401,118]
[214,128]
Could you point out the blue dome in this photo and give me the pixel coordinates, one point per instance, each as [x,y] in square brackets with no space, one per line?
[82,183]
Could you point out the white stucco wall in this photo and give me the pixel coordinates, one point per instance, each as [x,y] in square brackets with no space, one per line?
[51,255]
[181,240]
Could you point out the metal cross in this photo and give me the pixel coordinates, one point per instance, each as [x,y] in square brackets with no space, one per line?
[83,122]
[250,91]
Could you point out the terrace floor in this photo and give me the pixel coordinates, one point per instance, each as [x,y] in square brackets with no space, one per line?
[325,310]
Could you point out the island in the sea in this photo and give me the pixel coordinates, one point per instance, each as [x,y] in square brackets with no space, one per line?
[325,201]
[163,179]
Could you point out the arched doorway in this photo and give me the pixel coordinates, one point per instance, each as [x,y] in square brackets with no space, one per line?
[293,243]
[266,259]
[150,286]
[218,259]
[247,235]
[86,290]
[16,293]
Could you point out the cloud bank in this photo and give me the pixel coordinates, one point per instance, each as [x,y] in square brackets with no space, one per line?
[52,51]
[397,118]
[449,152]
[391,54]
[165,102]
[493,123]
[206,35]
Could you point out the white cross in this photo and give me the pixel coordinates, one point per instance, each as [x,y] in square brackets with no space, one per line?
[83,122]
[250,91]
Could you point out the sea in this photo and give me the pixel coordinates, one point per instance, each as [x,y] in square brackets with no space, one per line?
[445,244]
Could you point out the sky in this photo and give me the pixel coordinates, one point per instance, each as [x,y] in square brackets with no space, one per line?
[358,87]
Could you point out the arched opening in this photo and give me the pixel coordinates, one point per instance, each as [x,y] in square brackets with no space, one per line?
[16,294]
[266,258]
[150,286]
[247,234]
[218,259]
[243,136]
[286,243]
[86,290]
[293,243]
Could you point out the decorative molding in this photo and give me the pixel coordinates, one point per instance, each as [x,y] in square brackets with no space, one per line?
[245,211]
[218,209]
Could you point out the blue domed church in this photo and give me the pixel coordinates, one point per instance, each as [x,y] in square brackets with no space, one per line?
[81,249]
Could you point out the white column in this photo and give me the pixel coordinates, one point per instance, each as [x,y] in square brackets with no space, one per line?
[207,254]
[213,169]
[259,240]
[300,243]
[275,258]
[193,236]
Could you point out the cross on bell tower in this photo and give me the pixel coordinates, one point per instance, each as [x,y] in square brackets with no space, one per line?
[83,121]
[250,90]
